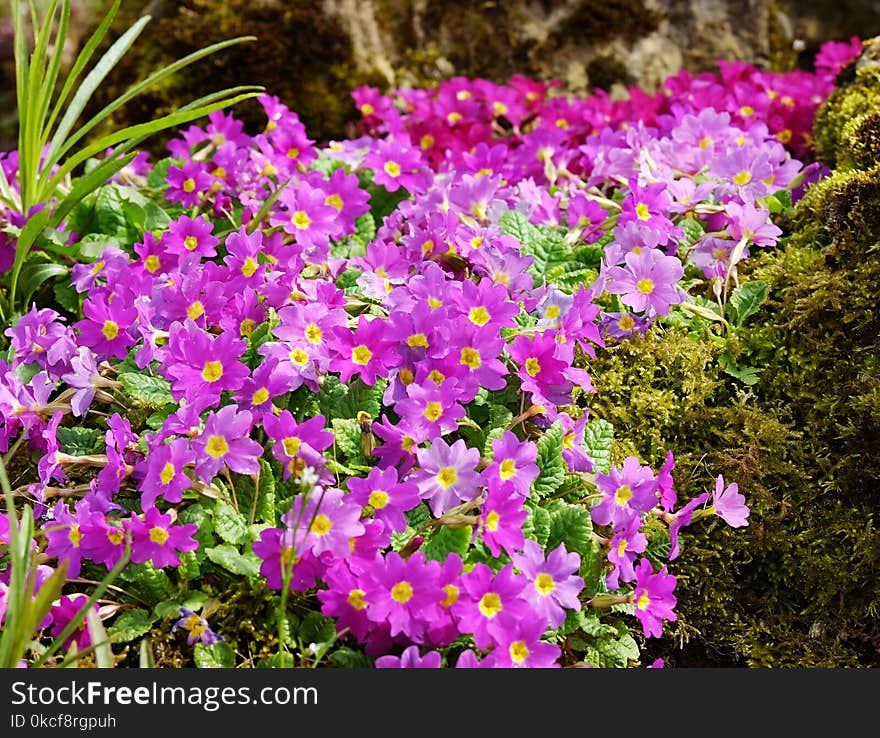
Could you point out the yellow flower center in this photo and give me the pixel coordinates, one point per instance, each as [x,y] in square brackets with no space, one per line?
[167,473]
[544,584]
[451,598]
[291,445]
[499,108]
[643,602]
[434,303]
[74,535]
[492,520]
[645,286]
[249,267]
[470,357]
[189,185]
[379,498]
[402,592]
[490,604]
[433,411]
[519,652]
[642,211]
[552,312]
[706,142]
[626,323]
[746,111]
[361,355]
[299,357]
[392,169]
[479,316]
[301,220]
[367,109]
[217,446]
[447,476]
[334,200]
[417,340]
[110,330]
[247,327]
[533,366]
[356,599]
[507,469]
[437,377]
[158,535]
[151,263]
[426,142]
[313,334]
[623,495]
[321,525]
[406,376]
[99,265]
[407,443]
[195,311]
[260,396]
[115,536]
[621,547]
[213,371]
[190,243]
[292,152]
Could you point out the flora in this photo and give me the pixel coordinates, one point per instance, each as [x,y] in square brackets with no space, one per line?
[356,376]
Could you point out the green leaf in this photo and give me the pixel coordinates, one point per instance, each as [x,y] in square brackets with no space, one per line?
[550,462]
[337,400]
[571,525]
[229,524]
[317,628]
[545,245]
[598,440]
[746,300]
[418,516]
[748,375]
[694,230]
[79,441]
[283,660]
[216,656]
[157,178]
[257,505]
[347,433]
[347,658]
[537,524]
[34,273]
[130,624]
[67,296]
[231,559]
[146,390]
[446,540]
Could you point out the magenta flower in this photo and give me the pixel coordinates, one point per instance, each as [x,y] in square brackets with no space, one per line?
[404,593]
[297,445]
[520,647]
[410,659]
[513,464]
[325,520]
[190,236]
[490,603]
[447,474]
[624,546]
[275,548]
[502,519]
[396,164]
[105,327]
[67,609]
[541,371]
[627,490]
[103,539]
[306,216]
[369,352]
[729,504]
[648,281]
[682,518]
[225,441]
[186,183]
[430,409]
[388,497]
[63,535]
[653,598]
[555,583]
[155,538]
[165,475]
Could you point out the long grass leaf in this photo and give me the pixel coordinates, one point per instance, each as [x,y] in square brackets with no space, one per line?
[60,141]
[51,78]
[172,120]
[26,173]
[81,61]
[100,640]
[140,87]
[37,79]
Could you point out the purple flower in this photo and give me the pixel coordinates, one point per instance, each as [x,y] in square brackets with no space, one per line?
[155,538]
[627,490]
[513,464]
[729,504]
[165,475]
[324,521]
[555,583]
[502,519]
[65,610]
[196,627]
[490,603]
[447,474]
[648,281]
[520,647]
[225,441]
[410,659]
[681,519]
[653,598]
[388,498]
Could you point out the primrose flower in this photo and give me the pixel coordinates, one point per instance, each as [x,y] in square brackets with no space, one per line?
[66,609]
[513,464]
[225,441]
[555,584]
[627,490]
[368,352]
[490,603]
[625,544]
[105,327]
[729,504]
[653,598]
[388,497]
[410,659]
[502,519]
[155,539]
[447,474]
[196,627]
[164,472]
[648,281]
[520,647]
[325,520]
[190,236]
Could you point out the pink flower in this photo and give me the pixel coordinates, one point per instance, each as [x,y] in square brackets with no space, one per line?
[729,504]
[155,538]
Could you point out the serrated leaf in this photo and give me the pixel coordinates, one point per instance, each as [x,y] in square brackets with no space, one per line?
[365,227]
[347,433]
[167,608]
[317,628]
[609,652]
[204,534]
[598,440]
[283,660]
[79,441]
[746,300]
[446,540]
[130,624]
[67,297]
[216,656]
[546,246]
[147,583]
[347,658]
[418,516]
[694,229]
[551,466]
[229,524]
[748,375]
[146,390]
[537,524]
[231,559]
[571,525]
[337,400]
